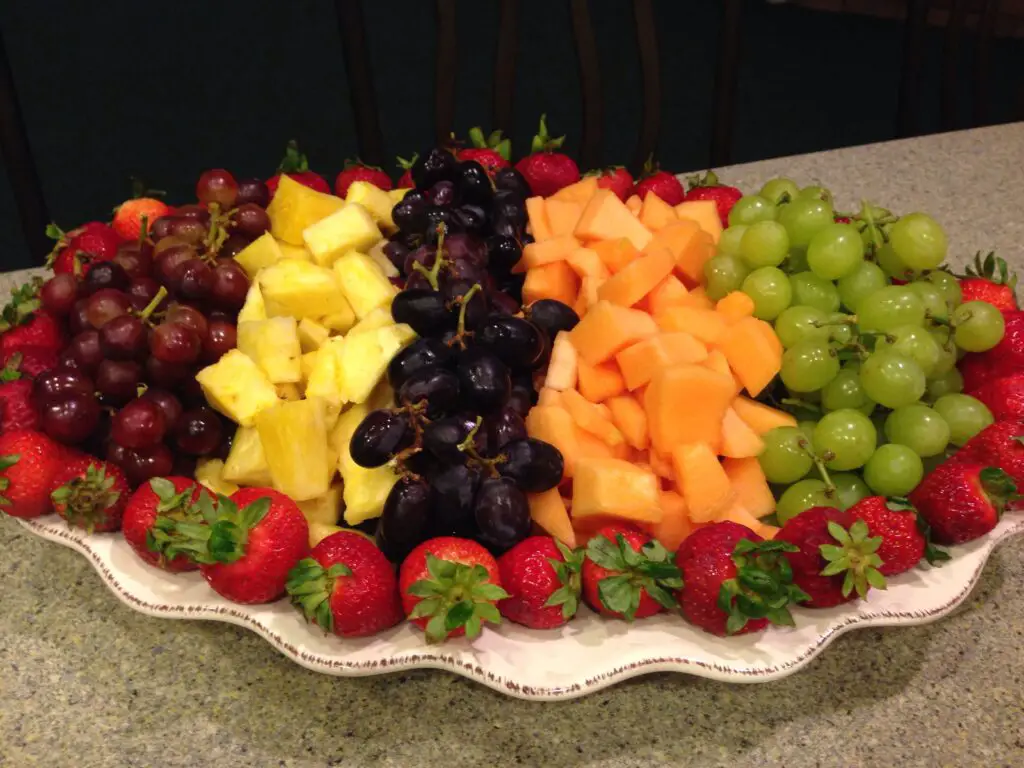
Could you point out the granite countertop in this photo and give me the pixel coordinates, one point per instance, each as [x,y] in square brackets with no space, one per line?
[87,682]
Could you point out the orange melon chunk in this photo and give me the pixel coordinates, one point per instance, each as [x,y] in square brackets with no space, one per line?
[656,214]
[608,328]
[697,299]
[690,263]
[753,359]
[735,306]
[738,440]
[563,365]
[548,397]
[551,281]
[556,248]
[589,294]
[586,263]
[639,362]
[704,484]
[668,293]
[760,417]
[563,215]
[736,512]
[716,362]
[615,488]
[675,524]
[537,214]
[634,281]
[548,511]
[592,417]
[593,447]
[662,466]
[615,254]
[555,426]
[599,382]
[686,404]
[749,484]
[677,237]
[607,218]
[705,213]
[705,324]
[580,192]
[629,416]
[634,204]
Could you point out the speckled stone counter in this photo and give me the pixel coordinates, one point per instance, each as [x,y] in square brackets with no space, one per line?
[84,681]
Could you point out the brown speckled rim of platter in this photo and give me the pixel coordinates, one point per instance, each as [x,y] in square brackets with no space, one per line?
[77,540]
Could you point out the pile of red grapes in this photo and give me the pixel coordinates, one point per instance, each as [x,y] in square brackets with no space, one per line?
[142,325]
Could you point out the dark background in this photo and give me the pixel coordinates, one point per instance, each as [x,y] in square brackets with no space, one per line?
[162,91]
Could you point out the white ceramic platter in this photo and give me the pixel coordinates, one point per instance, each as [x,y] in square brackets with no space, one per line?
[587,655]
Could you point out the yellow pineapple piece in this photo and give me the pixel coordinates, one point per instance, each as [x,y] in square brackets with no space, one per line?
[379,318]
[398,195]
[247,463]
[306,366]
[294,438]
[274,345]
[381,260]
[295,207]
[254,307]
[349,229]
[210,473]
[383,396]
[375,200]
[324,509]
[311,335]
[339,322]
[365,358]
[325,377]
[237,387]
[260,253]
[290,251]
[288,391]
[363,283]
[302,289]
[320,531]
[365,490]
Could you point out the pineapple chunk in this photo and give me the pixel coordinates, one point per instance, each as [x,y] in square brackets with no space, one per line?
[290,251]
[325,378]
[294,438]
[379,318]
[350,229]
[246,463]
[324,509]
[237,387]
[210,473]
[302,289]
[295,207]
[274,345]
[365,358]
[381,260]
[398,195]
[288,391]
[364,284]
[339,322]
[254,307]
[306,366]
[365,490]
[375,200]
[383,396]
[320,531]
[260,253]
[311,335]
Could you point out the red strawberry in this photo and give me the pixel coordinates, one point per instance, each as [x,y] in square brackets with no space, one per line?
[617,179]
[296,166]
[542,578]
[1004,359]
[28,463]
[346,586]
[450,587]
[662,183]
[354,170]
[76,251]
[628,575]
[990,280]
[1004,397]
[90,494]
[962,499]
[491,152]
[19,412]
[31,361]
[706,187]
[137,212]
[835,560]
[150,516]
[904,533]
[247,544]
[998,445]
[841,219]
[39,330]
[547,171]
[405,180]
[733,581]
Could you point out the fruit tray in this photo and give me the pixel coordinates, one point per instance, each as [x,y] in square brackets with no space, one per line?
[585,656]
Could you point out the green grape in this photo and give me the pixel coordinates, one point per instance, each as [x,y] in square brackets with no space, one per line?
[785,458]
[817,193]
[845,438]
[764,244]
[891,264]
[978,326]
[966,416]
[849,488]
[873,238]
[892,380]
[948,383]
[750,209]
[918,427]
[889,308]
[723,275]
[802,496]
[947,350]
[919,241]
[893,470]
[803,218]
[807,427]
[813,291]
[809,365]
[835,251]
[770,289]
[846,391]
[914,342]
[948,284]
[932,297]
[796,261]
[729,242]
[867,278]
[798,323]
[780,190]
[841,330]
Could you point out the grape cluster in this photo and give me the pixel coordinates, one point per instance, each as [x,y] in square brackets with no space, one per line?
[143,323]
[872,329]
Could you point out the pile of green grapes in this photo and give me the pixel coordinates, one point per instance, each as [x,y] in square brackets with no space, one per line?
[872,330]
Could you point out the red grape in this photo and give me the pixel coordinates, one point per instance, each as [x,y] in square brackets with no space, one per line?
[105,305]
[70,417]
[160,228]
[195,280]
[194,211]
[188,316]
[219,339]
[190,230]
[233,246]
[85,348]
[139,424]
[230,284]
[144,464]
[143,290]
[106,274]
[175,343]
[160,373]
[136,260]
[124,338]
[78,320]
[168,403]
[116,453]
[165,243]
[118,380]
[190,392]
[199,431]
[250,219]
[253,191]
[217,186]
[59,294]
[51,385]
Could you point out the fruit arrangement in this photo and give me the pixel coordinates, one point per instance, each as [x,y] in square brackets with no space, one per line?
[500,391]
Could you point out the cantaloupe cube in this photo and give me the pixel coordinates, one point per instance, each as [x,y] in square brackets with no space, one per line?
[608,328]
[639,362]
[675,525]
[697,299]
[738,440]
[704,484]
[662,465]
[551,281]
[580,192]
[615,488]
[537,254]
[716,361]
[563,216]
[537,215]
[548,511]
[686,404]
[548,397]
[593,447]
[760,417]
[634,281]
[705,324]
[562,367]
[634,204]
[768,334]
[555,426]
[586,263]
[656,214]
[768,532]
[590,288]
[670,292]
[599,382]
[690,247]
[735,306]
[630,419]
[607,218]
[592,417]
[749,484]
[615,254]
[751,356]
[705,213]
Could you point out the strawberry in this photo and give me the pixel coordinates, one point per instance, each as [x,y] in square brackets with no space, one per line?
[296,166]
[30,360]
[77,250]
[134,217]
[405,180]
[450,587]
[735,582]
[346,586]
[547,171]
[662,183]
[28,463]
[990,280]
[617,179]
[706,187]
[354,170]
[150,516]
[542,578]
[90,494]
[492,152]
[40,330]
[963,499]
[904,533]
[838,219]
[628,575]
[1004,359]
[246,545]
[835,561]
[998,445]
[1004,397]
[19,412]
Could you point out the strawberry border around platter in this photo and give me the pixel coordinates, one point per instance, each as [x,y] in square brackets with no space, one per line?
[587,655]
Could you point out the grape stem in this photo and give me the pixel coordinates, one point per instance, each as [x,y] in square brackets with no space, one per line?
[830,487]
[153,304]
[867,216]
[439,260]
[467,447]
[217,233]
[463,303]
[847,320]
[796,403]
